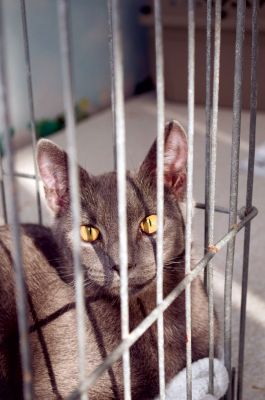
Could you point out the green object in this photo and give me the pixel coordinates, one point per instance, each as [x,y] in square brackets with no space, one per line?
[46,127]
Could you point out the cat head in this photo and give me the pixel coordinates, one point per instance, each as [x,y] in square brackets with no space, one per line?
[99,215]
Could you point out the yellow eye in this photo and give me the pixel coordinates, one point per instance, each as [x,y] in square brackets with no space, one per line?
[149,224]
[89,233]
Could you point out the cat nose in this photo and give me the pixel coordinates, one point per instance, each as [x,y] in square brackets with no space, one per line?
[116,267]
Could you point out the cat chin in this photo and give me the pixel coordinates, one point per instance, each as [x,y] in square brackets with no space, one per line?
[114,291]
[111,288]
[141,288]
[135,288]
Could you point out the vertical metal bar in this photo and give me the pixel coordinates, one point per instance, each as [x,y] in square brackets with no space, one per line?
[212,178]
[191,97]
[31,104]
[160,189]
[251,163]
[240,25]
[20,286]
[208,105]
[64,27]
[2,186]
[112,82]
[121,182]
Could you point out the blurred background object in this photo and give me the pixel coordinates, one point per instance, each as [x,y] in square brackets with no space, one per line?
[174,14]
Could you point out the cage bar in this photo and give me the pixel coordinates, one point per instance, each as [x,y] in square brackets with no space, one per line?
[24,175]
[212,179]
[2,189]
[245,214]
[160,88]
[119,118]
[240,26]
[250,178]
[12,213]
[152,317]
[68,97]
[191,91]
[31,104]
[208,106]
[110,38]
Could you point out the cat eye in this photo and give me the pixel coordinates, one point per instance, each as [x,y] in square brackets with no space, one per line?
[149,224]
[89,233]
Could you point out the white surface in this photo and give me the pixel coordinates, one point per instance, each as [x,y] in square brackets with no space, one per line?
[259,167]
[94,139]
[176,389]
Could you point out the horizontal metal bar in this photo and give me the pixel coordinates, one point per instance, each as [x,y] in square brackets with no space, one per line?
[152,317]
[219,209]
[21,175]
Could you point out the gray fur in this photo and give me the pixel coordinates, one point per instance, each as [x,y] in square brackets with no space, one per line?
[49,276]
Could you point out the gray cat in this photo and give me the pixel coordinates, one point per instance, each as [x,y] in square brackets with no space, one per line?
[50,281]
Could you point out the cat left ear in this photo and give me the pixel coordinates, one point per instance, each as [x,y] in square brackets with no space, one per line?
[52,163]
[175,158]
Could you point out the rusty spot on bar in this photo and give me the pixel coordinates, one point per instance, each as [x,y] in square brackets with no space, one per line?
[213,249]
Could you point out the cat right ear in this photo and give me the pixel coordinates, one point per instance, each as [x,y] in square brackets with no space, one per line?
[52,163]
[175,159]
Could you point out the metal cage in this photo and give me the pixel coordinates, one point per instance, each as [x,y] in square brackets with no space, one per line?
[238,218]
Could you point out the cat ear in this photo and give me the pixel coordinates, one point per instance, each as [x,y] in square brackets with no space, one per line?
[52,163]
[175,158]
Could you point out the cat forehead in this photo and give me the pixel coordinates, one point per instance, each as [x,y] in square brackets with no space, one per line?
[101,191]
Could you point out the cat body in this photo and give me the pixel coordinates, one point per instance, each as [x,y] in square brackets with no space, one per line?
[47,260]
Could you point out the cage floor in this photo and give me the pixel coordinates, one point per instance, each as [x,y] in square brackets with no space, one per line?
[95,149]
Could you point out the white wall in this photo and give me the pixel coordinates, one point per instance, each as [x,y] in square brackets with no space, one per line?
[91,56]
